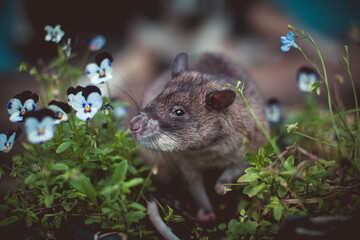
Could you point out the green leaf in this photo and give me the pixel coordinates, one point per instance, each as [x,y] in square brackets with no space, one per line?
[289,163]
[135,216]
[137,206]
[31,178]
[222,226]
[89,221]
[119,173]
[48,200]
[8,221]
[248,177]
[278,209]
[250,226]
[61,166]
[252,158]
[57,221]
[252,189]
[63,147]
[133,182]
[282,191]
[82,183]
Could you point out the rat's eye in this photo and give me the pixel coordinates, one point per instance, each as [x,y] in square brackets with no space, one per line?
[179,112]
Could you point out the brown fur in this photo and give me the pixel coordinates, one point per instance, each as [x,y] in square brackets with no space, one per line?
[206,136]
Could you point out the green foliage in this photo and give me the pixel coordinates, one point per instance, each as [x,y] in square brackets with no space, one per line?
[316,174]
[85,171]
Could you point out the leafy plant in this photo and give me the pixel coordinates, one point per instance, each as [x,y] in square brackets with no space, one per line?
[83,169]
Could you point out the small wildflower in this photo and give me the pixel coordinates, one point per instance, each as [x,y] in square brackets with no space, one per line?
[292,127]
[7,140]
[20,104]
[69,43]
[54,34]
[107,108]
[96,43]
[101,71]
[306,77]
[87,103]
[273,112]
[288,42]
[72,92]
[40,125]
[61,110]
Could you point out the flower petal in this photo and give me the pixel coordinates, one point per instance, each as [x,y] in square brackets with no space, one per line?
[59,33]
[92,70]
[49,28]
[285,47]
[78,102]
[30,105]
[284,39]
[85,116]
[96,101]
[3,141]
[290,36]
[16,117]
[14,106]
[106,66]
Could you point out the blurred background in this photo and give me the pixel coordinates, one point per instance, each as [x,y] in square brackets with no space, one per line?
[144,37]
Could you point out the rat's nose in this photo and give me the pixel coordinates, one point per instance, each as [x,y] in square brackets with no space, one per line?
[137,123]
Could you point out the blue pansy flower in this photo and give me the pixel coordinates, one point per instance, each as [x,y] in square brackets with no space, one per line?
[288,42]
[54,34]
[7,140]
[20,104]
[101,71]
[306,77]
[87,103]
[72,92]
[96,43]
[40,125]
[61,110]
[273,112]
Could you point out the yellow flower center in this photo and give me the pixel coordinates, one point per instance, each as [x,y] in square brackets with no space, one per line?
[87,109]
[59,116]
[41,131]
[7,147]
[102,74]
[23,112]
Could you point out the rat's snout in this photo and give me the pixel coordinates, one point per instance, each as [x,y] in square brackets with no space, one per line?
[142,126]
[138,123]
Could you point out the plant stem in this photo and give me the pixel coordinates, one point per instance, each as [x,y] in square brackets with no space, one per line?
[273,144]
[316,139]
[325,80]
[143,186]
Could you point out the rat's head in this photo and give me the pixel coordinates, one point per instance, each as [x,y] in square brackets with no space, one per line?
[189,114]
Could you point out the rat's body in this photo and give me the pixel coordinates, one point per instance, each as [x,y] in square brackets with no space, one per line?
[199,123]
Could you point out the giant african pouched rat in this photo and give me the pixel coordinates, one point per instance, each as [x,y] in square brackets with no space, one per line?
[199,123]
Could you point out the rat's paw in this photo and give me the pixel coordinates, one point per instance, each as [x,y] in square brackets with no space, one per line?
[205,216]
[220,188]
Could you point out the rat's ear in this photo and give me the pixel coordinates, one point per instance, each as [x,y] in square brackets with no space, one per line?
[220,100]
[180,64]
